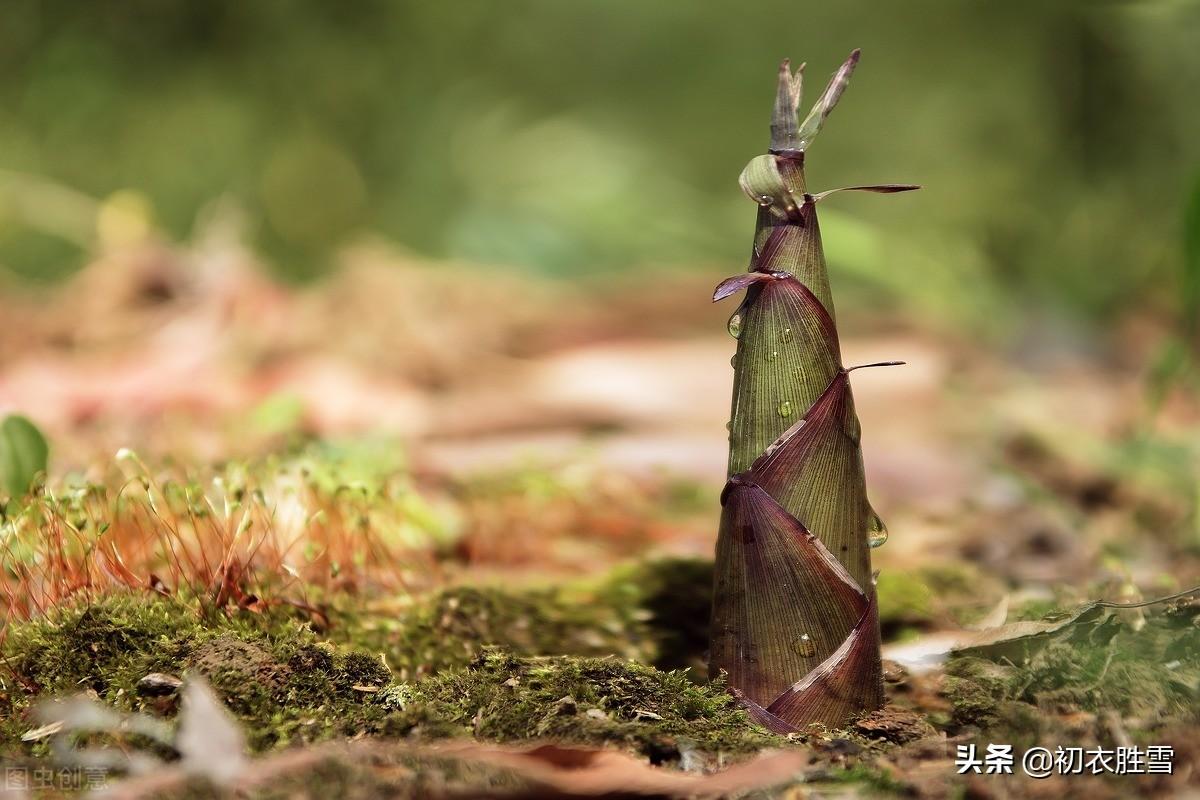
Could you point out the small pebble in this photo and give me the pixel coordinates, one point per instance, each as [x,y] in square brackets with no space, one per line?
[158,684]
[894,672]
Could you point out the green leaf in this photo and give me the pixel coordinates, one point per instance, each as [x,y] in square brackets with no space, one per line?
[785,134]
[825,104]
[774,183]
[23,455]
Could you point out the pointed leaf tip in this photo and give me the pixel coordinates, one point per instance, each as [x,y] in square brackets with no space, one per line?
[785,118]
[829,99]
[843,685]
[878,188]
[733,285]
[763,717]
[877,364]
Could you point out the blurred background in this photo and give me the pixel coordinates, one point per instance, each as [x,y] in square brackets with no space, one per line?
[1056,141]
[489,232]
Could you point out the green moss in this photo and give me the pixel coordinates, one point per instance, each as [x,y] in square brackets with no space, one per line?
[286,685]
[668,602]
[656,612]
[501,697]
[934,595]
[975,688]
[271,672]
[450,628]
[904,600]
[1100,663]
[875,782]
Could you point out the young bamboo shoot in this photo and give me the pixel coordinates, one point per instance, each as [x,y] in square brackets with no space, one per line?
[794,624]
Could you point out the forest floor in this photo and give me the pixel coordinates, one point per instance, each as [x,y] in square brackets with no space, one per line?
[427,531]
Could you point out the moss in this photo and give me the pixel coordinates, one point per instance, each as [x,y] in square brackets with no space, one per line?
[450,628]
[904,601]
[286,685]
[872,780]
[245,674]
[271,672]
[656,612]
[96,647]
[933,595]
[975,688]
[670,601]
[1098,664]
[595,701]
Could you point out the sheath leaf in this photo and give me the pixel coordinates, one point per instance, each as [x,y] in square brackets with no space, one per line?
[877,188]
[812,467]
[737,283]
[784,603]
[797,249]
[787,351]
[844,684]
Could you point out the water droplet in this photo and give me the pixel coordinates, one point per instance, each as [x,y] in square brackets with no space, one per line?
[785,408]
[786,336]
[877,532]
[805,646]
[735,325]
[774,355]
[729,425]
[765,200]
[733,361]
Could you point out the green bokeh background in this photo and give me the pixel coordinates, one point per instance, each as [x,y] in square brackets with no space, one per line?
[1058,142]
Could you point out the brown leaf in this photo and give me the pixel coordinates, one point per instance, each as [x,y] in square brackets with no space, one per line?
[552,771]
[769,566]
[572,772]
[878,188]
[844,684]
[737,283]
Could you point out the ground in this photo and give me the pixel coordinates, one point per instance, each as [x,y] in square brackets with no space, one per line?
[363,536]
